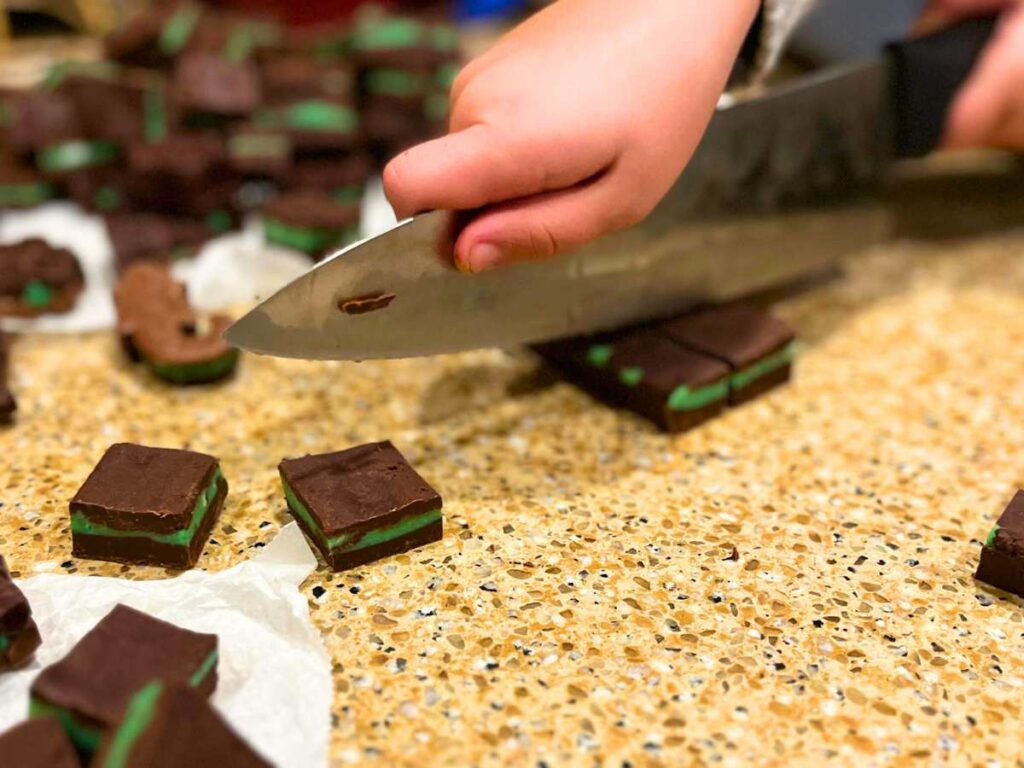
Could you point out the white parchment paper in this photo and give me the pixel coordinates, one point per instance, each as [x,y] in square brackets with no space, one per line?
[275,684]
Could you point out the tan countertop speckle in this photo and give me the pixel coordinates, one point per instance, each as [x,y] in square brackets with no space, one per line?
[790,584]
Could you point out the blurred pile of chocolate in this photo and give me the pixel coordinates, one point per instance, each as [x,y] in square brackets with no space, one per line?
[198,116]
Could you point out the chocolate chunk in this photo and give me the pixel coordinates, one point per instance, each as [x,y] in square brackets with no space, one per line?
[19,635]
[153,237]
[757,346]
[361,504]
[8,405]
[371,302]
[215,84]
[170,726]
[1002,556]
[91,687]
[37,279]
[311,221]
[158,326]
[150,506]
[37,743]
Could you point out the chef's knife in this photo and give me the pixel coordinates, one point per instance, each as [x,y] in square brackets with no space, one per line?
[783,185]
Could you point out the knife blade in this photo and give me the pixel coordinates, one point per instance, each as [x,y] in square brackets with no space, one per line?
[782,186]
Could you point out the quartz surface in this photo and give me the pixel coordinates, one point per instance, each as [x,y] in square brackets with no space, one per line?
[791,583]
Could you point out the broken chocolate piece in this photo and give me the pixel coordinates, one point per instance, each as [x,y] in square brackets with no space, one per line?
[158,326]
[37,743]
[310,221]
[361,504]
[19,635]
[170,726]
[371,302]
[758,347]
[89,690]
[1002,556]
[36,279]
[149,506]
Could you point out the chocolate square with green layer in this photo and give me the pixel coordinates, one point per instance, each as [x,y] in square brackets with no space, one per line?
[361,504]
[1002,557]
[150,506]
[39,743]
[19,635]
[90,689]
[758,347]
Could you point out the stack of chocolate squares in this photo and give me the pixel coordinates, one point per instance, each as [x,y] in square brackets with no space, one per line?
[132,693]
[681,372]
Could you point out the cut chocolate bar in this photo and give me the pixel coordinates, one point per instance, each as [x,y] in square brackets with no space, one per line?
[158,327]
[318,124]
[8,405]
[1002,556]
[36,278]
[89,690]
[171,726]
[151,506]
[672,386]
[310,221]
[19,635]
[37,743]
[361,504]
[758,347]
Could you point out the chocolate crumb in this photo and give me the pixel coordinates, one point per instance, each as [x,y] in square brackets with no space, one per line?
[359,305]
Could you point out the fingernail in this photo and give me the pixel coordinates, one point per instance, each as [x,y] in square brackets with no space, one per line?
[483,256]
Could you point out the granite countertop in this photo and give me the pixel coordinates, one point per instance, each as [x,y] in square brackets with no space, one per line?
[791,583]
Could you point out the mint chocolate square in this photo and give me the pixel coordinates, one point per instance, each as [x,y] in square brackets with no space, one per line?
[89,690]
[361,504]
[758,347]
[169,726]
[36,278]
[19,635]
[1002,556]
[39,743]
[149,506]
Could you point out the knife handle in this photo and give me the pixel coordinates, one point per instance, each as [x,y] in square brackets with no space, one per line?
[927,74]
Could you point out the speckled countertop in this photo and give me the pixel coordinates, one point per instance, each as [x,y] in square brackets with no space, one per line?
[789,584]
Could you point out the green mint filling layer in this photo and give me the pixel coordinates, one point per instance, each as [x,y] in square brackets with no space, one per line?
[394,82]
[315,115]
[259,145]
[37,294]
[436,106]
[306,239]
[351,195]
[107,199]
[154,115]
[387,35]
[87,738]
[631,376]
[763,367]
[195,373]
[990,541]
[82,526]
[25,195]
[75,155]
[5,643]
[218,221]
[341,542]
[686,399]
[178,29]
[599,355]
[137,719]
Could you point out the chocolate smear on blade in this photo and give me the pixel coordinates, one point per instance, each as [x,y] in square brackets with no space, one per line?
[371,302]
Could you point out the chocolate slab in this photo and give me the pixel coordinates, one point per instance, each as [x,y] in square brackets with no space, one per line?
[741,336]
[91,687]
[8,405]
[170,726]
[19,635]
[1002,556]
[139,505]
[157,326]
[353,493]
[36,278]
[311,221]
[37,743]
[212,83]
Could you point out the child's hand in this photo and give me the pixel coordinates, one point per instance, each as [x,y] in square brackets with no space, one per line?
[989,111]
[574,125]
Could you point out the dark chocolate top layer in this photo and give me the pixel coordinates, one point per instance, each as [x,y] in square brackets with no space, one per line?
[5,572]
[311,208]
[1010,536]
[210,82]
[135,487]
[37,743]
[35,260]
[358,488]
[126,650]
[14,608]
[153,236]
[738,334]
[664,364]
[187,731]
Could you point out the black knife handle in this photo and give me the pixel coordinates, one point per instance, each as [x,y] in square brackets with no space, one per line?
[927,73]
